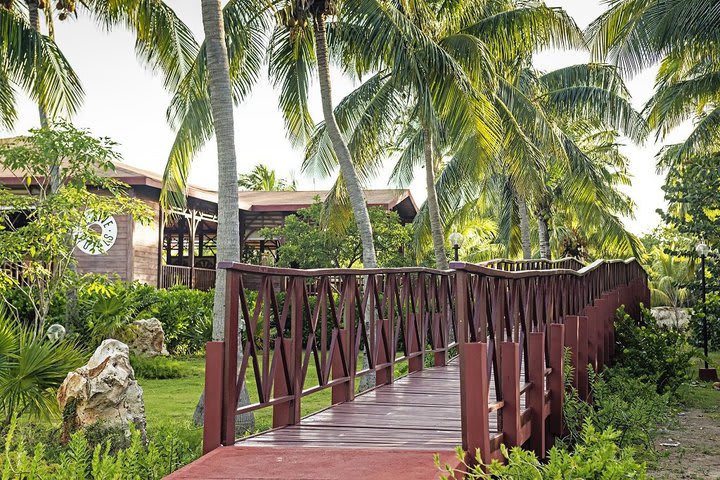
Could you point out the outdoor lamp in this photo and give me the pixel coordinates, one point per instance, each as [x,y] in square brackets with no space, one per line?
[55,332]
[707,373]
[456,240]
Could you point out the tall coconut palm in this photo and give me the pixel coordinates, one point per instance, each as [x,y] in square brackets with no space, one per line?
[228,233]
[430,93]
[684,36]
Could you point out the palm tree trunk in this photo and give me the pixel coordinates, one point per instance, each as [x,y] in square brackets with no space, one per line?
[543,235]
[34,17]
[228,232]
[352,183]
[436,226]
[524,225]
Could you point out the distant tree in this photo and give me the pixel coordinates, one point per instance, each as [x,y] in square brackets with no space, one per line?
[265,179]
[53,222]
[305,242]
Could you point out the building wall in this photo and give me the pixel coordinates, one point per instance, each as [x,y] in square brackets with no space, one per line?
[118,259]
[145,247]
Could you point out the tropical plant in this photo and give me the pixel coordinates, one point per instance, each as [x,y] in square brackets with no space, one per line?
[263,178]
[33,62]
[669,280]
[41,228]
[683,36]
[305,242]
[32,367]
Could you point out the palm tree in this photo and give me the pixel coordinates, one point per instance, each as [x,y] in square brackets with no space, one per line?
[263,178]
[670,277]
[228,233]
[684,36]
[430,93]
[33,62]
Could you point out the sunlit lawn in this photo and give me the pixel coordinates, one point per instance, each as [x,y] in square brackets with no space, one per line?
[175,399]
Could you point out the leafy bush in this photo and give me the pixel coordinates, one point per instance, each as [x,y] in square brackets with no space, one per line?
[169,448]
[647,350]
[621,402]
[596,456]
[713,322]
[156,367]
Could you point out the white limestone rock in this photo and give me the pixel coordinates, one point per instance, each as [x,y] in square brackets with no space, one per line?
[148,338]
[104,390]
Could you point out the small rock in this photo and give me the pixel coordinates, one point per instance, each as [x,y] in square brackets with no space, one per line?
[716,385]
[148,338]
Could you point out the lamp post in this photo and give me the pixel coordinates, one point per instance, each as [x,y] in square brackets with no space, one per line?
[456,240]
[707,373]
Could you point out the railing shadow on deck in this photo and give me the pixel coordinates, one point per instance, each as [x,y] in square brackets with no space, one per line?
[502,317]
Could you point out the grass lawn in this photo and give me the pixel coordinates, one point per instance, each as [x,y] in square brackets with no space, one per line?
[175,399]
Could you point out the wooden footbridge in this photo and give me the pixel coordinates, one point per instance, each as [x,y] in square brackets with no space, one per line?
[483,345]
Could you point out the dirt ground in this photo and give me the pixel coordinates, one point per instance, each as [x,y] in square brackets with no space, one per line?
[698,453]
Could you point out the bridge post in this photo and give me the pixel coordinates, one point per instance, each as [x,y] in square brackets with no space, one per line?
[571,341]
[343,392]
[536,395]
[212,414]
[556,380]
[583,358]
[229,391]
[474,396]
[384,375]
[510,372]
[282,413]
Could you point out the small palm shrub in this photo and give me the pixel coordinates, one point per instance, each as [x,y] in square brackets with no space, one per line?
[31,369]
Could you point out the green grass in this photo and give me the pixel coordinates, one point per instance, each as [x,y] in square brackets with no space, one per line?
[175,399]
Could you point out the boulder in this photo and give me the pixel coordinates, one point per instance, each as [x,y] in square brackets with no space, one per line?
[148,338]
[104,390]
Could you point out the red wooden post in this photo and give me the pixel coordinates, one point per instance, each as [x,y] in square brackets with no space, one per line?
[384,375]
[536,394]
[439,334]
[283,413]
[212,415]
[556,379]
[571,341]
[343,392]
[583,358]
[230,375]
[474,386]
[415,363]
[510,371]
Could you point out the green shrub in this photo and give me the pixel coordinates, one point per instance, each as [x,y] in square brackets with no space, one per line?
[628,405]
[596,456]
[647,350]
[169,448]
[713,322]
[156,367]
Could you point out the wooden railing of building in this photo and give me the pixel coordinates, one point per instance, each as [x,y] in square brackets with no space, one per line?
[349,323]
[197,278]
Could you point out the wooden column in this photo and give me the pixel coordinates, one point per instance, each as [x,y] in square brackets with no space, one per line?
[556,380]
[474,386]
[535,397]
[230,368]
[212,414]
[191,238]
[583,358]
[161,239]
[571,341]
[510,372]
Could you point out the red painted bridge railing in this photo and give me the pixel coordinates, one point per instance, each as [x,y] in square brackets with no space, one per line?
[513,327]
[510,324]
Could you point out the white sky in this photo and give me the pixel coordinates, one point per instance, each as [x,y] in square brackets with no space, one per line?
[127,103]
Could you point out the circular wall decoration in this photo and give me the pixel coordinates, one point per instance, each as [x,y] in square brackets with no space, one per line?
[107,229]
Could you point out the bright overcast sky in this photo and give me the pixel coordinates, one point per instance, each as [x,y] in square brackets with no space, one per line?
[126,102]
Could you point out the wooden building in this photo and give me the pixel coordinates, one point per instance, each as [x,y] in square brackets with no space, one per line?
[180,246]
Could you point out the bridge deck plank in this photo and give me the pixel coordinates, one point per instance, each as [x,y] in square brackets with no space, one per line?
[419,411]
